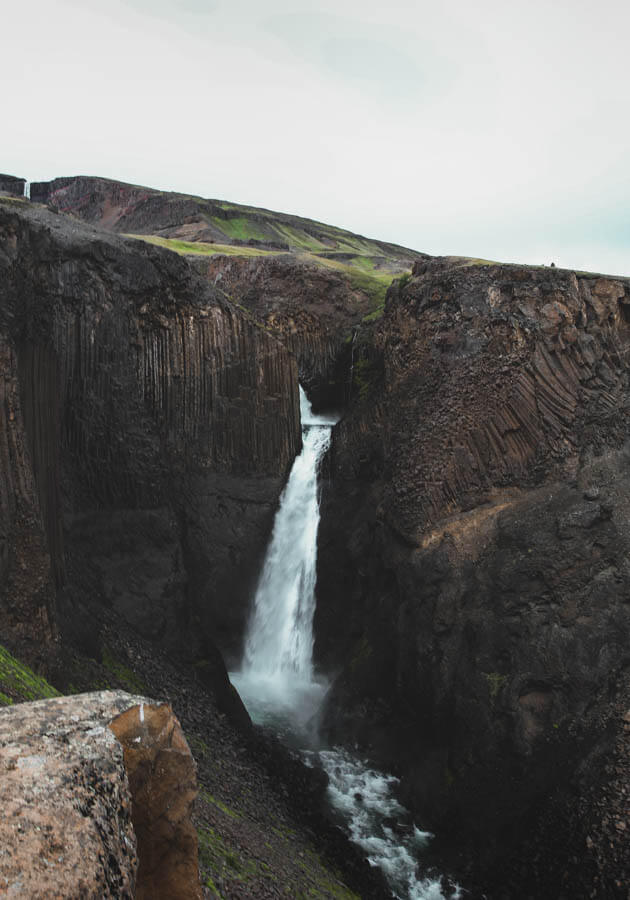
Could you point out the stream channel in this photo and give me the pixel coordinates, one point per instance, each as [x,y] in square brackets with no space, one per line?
[282,693]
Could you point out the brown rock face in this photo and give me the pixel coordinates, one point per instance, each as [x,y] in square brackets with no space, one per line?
[473,574]
[66,826]
[69,796]
[162,781]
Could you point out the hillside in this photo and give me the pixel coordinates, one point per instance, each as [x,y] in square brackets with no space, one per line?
[195,225]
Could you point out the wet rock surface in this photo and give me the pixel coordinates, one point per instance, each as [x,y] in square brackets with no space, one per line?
[473,576]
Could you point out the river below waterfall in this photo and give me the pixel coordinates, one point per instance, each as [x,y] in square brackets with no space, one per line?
[280,691]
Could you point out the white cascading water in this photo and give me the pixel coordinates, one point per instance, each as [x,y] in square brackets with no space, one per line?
[276,680]
[279,641]
[277,683]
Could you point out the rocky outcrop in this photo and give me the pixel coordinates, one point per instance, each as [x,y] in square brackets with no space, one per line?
[10,184]
[140,409]
[473,553]
[314,311]
[91,785]
[162,782]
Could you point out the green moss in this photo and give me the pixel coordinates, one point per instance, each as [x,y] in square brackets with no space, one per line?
[199,748]
[495,683]
[209,883]
[221,860]
[404,280]
[209,798]
[128,679]
[364,377]
[375,315]
[19,683]
[361,655]
[5,700]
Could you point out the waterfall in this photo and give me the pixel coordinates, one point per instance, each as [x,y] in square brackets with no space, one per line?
[279,642]
[27,190]
[277,685]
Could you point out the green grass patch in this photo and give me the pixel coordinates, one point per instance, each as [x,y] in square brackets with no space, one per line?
[128,679]
[199,248]
[373,284]
[221,861]
[199,747]
[240,228]
[19,683]
[13,201]
[209,798]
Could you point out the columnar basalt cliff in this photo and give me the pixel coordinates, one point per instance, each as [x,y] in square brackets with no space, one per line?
[309,283]
[312,310]
[11,184]
[473,568]
[147,427]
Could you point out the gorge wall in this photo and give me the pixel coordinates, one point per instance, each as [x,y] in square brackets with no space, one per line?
[308,283]
[312,310]
[147,428]
[473,564]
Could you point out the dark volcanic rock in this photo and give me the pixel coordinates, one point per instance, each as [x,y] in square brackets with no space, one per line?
[473,562]
[139,408]
[10,184]
[311,309]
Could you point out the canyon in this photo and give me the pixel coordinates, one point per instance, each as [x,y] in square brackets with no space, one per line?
[472,577]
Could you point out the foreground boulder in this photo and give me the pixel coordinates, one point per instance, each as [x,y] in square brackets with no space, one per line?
[96,792]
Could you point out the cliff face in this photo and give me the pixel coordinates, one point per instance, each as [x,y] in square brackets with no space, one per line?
[310,284]
[147,427]
[473,554]
[312,310]
[10,184]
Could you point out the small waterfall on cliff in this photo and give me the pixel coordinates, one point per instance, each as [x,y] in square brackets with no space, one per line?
[278,687]
[27,190]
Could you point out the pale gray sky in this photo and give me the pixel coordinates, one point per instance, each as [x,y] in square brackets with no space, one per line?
[496,129]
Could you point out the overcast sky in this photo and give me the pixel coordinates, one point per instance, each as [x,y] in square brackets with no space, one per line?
[496,129]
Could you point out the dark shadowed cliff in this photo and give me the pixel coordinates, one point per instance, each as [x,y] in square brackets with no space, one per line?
[309,283]
[473,570]
[147,427]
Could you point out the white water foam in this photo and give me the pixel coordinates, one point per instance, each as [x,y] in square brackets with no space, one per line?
[380,825]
